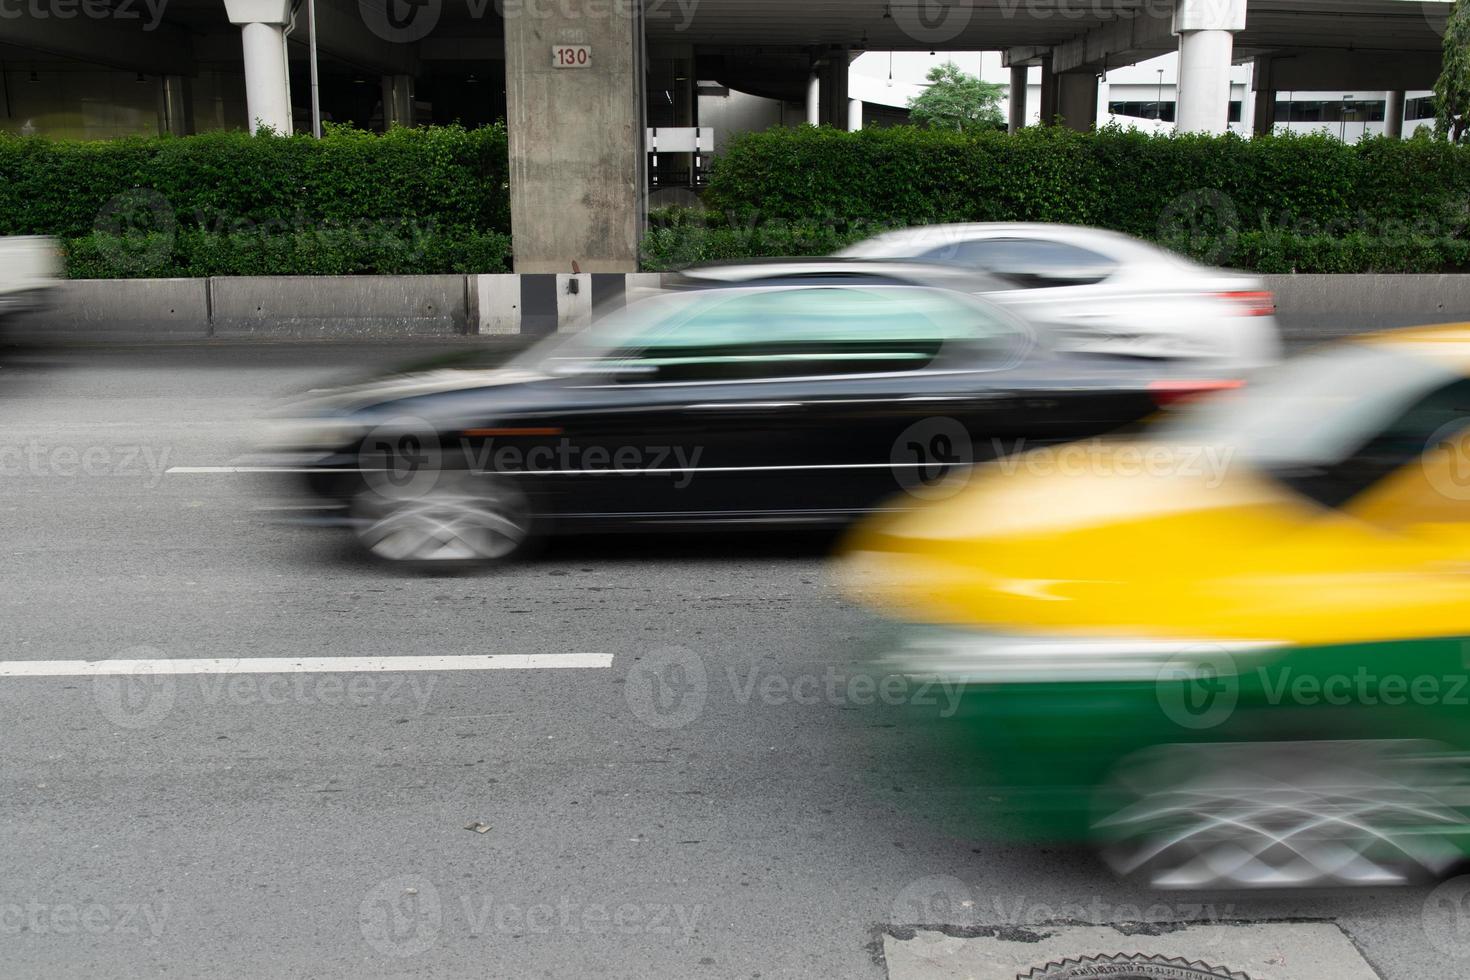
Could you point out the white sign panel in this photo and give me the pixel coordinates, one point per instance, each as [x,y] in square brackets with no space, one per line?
[571,56]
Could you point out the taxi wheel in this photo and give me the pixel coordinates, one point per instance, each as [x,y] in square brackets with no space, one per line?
[461,522]
[1284,815]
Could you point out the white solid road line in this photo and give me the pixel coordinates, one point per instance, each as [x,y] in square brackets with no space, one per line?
[243,469]
[302,665]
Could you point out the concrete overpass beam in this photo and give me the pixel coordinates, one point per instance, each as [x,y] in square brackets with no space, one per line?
[1323,70]
[343,32]
[1132,37]
[137,43]
[576,136]
[1206,30]
[262,25]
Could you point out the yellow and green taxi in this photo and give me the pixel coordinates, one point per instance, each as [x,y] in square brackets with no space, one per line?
[1234,653]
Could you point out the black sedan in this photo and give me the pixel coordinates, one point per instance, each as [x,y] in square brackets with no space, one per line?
[803,402]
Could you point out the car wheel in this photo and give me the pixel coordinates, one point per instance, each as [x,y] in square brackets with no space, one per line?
[1285,815]
[459,523]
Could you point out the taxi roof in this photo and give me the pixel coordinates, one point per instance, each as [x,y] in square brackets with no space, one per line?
[1447,343]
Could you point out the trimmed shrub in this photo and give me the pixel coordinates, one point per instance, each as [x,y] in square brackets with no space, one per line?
[424,200]
[1277,203]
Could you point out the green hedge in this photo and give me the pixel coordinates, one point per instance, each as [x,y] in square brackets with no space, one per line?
[1277,204]
[425,200]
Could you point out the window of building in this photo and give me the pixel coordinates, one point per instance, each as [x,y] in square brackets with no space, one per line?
[1330,110]
[1420,108]
[1161,110]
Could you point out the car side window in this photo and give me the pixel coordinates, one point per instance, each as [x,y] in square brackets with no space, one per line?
[1035,262]
[1405,439]
[800,331]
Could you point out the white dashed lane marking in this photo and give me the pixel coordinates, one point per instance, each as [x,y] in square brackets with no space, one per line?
[302,665]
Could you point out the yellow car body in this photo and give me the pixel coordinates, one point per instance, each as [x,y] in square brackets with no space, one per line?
[1299,549]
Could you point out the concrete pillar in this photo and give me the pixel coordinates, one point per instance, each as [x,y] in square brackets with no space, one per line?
[175,111]
[576,137]
[1206,31]
[1393,115]
[1077,100]
[1264,118]
[397,101]
[1019,75]
[814,99]
[833,89]
[1263,108]
[854,115]
[262,24]
[1050,103]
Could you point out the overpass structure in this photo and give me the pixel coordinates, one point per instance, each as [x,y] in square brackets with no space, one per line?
[582,84]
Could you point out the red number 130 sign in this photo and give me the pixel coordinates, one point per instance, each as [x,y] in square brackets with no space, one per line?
[571,56]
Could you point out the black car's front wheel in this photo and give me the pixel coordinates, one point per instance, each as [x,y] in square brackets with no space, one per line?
[460,522]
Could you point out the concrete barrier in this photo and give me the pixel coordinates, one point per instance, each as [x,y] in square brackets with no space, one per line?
[1311,309]
[328,307]
[119,309]
[1315,309]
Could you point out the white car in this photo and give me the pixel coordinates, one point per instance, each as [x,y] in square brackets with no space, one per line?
[30,271]
[1104,292]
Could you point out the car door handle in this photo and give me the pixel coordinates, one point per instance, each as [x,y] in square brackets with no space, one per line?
[741,406]
[969,397]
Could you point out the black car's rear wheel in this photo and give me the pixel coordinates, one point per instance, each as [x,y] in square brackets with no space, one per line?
[461,522]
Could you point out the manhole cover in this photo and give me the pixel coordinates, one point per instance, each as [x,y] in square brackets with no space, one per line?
[1136,966]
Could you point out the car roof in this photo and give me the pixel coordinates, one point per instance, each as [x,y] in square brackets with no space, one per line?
[833,270]
[1081,235]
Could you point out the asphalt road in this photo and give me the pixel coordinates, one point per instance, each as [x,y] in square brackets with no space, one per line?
[314,824]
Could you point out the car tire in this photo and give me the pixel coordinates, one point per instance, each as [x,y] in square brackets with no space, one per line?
[462,522]
[1285,814]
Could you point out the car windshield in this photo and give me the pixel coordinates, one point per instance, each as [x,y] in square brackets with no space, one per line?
[1315,410]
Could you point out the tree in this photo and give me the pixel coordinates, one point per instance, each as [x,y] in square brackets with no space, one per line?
[1452,91]
[955,100]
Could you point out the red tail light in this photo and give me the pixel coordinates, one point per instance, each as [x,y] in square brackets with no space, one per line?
[1173,392]
[1249,303]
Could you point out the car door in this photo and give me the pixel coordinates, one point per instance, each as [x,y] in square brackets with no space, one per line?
[783,403]
[904,387]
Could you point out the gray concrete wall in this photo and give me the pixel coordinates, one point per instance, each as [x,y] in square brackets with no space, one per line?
[576,135]
[1310,309]
[120,309]
[1313,309]
[339,306]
